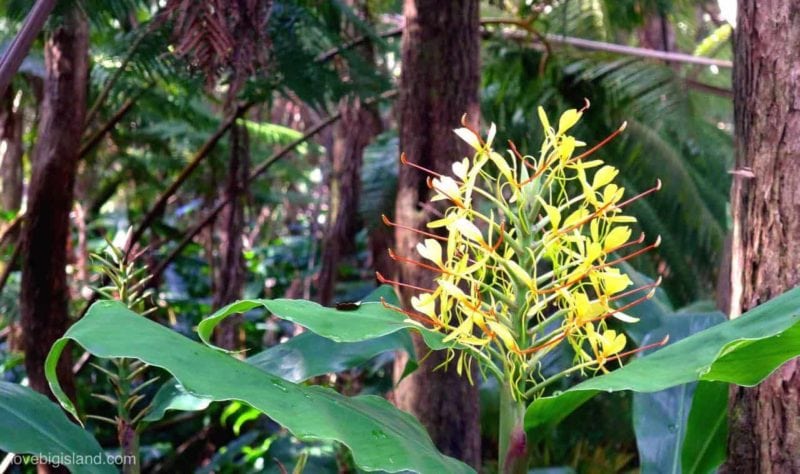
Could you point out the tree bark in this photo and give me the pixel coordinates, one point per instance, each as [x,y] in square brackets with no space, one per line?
[230,270]
[44,292]
[356,129]
[11,151]
[765,420]
[439,83]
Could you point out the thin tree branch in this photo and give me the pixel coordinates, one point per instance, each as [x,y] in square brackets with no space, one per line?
[198,157]
[12,227]
[18,49]
[10,266]
[98,135]
[555,39]
[258,171]
[101,98]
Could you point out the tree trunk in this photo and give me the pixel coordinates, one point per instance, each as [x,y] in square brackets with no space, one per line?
[44,293]
[439,83]
[765,420]
[11,152]
[356,129]
[230,269]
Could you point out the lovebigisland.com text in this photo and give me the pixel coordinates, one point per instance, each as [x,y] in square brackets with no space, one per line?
[72,459]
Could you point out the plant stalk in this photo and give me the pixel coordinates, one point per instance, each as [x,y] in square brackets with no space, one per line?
[513,445]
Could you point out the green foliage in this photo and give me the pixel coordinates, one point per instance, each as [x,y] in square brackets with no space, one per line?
[705,445]
[379,435]
[32,424]
[742,351]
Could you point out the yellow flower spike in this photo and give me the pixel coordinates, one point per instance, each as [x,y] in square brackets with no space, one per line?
[509,289]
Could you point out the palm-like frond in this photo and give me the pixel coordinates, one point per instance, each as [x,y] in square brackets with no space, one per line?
[667,138]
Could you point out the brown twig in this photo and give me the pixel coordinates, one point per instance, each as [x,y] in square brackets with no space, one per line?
[258,171]
[18,49]
[98,135]
[198,157]
[11,262]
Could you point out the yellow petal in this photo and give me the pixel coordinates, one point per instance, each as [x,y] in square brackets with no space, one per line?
[543,119]
[469,137]
[552,213]
[604,176]
[568,120]
[431,250]
[504,334]
[616,237]
[460,168]
[469,230]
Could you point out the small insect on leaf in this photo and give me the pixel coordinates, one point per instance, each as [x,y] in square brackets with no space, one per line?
[348,305]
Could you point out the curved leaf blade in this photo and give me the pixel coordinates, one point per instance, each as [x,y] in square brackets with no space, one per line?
[31,424]
[705,445]
[379,436]
[722,353]
[371,320]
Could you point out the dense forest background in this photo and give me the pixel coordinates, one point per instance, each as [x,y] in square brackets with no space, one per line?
[249,149]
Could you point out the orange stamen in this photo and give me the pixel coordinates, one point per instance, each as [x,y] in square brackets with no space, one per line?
[636,290]
[418,317]
[599,145]
[385,280]
[421,232]
[398,258]
[655,188]
[634,254]
[660,343]
[405,161]
[623,308]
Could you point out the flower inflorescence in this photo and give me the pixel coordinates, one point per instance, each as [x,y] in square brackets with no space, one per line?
[526,256]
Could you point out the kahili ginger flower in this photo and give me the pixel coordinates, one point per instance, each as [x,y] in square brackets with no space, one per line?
[525,258]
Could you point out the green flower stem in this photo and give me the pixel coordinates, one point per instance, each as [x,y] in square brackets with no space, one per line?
[126,431]
[513,449]
[554,378]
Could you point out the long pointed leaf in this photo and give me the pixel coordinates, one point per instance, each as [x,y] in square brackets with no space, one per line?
[743,351]
[380,436]
[32,424]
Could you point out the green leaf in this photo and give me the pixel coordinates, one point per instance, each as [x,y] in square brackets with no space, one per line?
[309,355]
[659,418]
[741,351]
[380,436]
[705,445]
[172,396]
[369,321]
[296,360]
[299,359]
[31,424]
